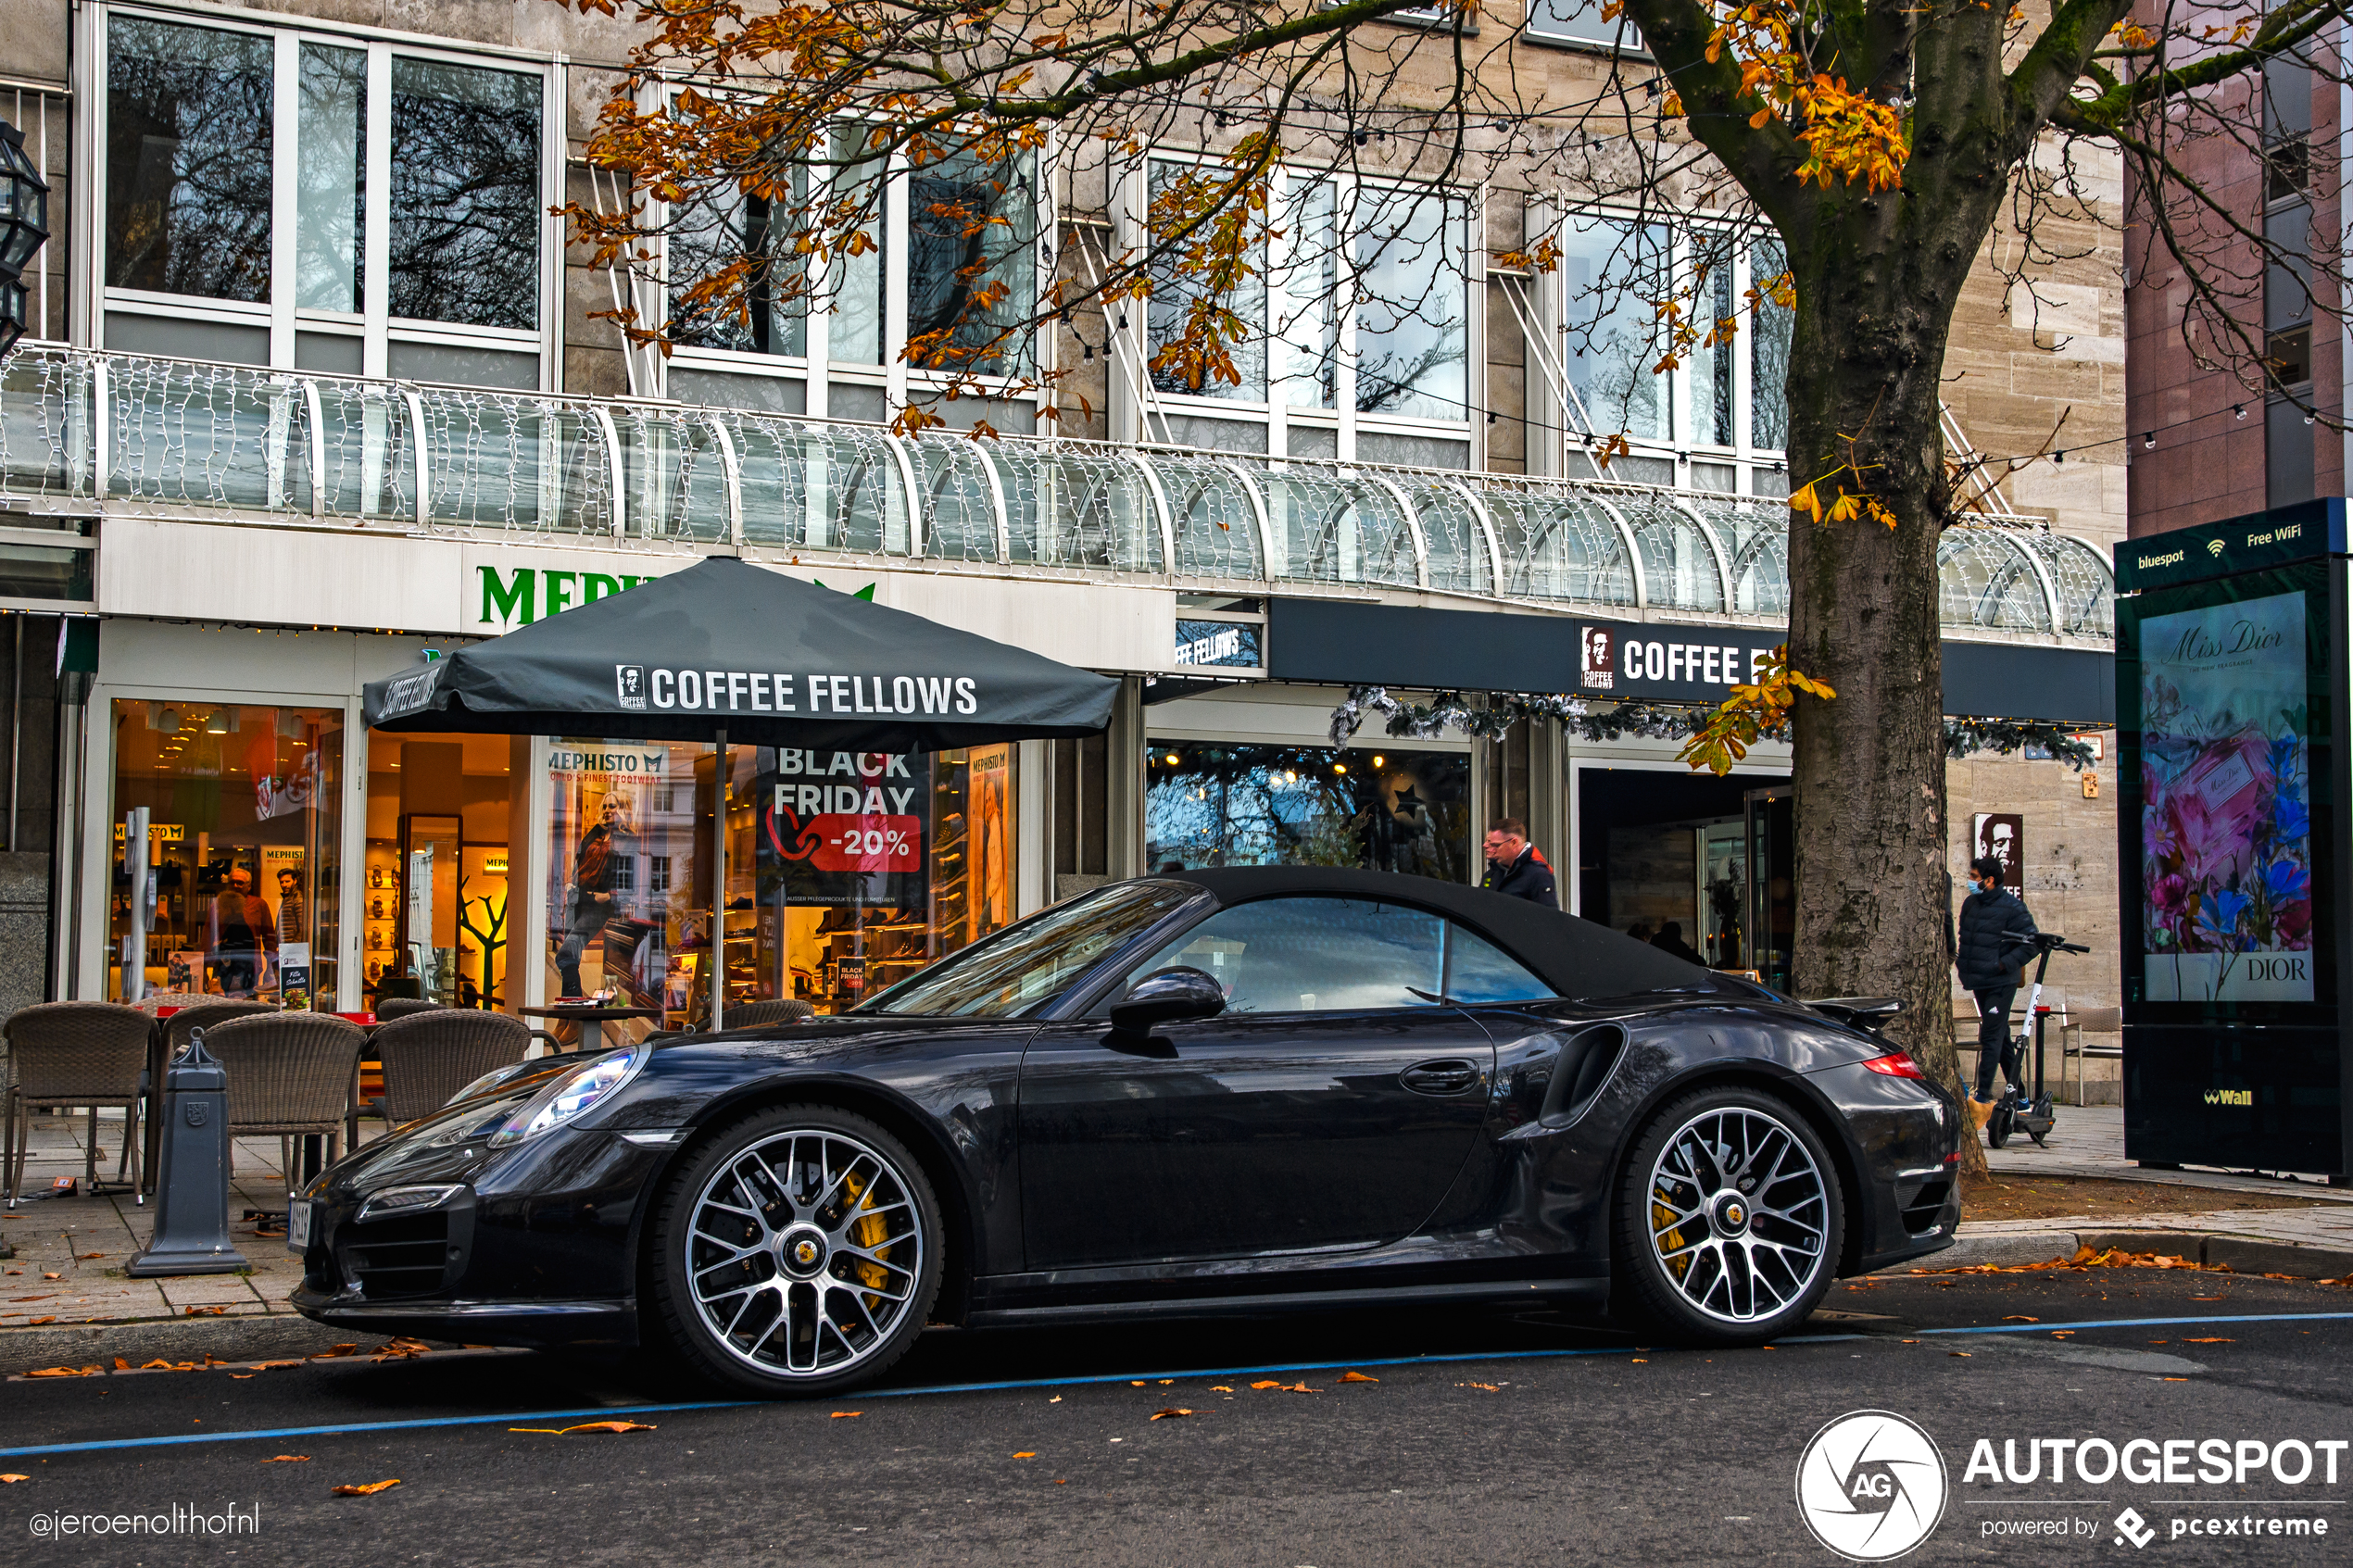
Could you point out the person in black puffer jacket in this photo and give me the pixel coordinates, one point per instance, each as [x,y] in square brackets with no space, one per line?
[1996,935]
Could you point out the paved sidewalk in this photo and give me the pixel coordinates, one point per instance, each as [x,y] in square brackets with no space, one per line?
[2088,1141]
[66,1299]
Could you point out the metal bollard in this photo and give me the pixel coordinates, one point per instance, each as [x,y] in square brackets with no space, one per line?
[191,1175]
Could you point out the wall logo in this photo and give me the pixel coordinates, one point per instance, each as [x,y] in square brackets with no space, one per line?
[629,681]
[2132,1527]
[1597,663]
[1871,1485]
[2214,548]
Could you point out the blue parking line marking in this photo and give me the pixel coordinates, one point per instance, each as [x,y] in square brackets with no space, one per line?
[609,1413]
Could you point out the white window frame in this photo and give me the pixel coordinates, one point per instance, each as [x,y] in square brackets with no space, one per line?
[1681,448]
[1625,39]
[372,324]
[894,376]
[1132,397]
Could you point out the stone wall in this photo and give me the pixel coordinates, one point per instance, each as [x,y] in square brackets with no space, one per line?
[2070,888]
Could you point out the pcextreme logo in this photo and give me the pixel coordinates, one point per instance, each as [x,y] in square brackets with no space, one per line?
[1871,1485]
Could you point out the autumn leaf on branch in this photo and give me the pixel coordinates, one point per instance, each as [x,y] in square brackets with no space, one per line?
[1760,710]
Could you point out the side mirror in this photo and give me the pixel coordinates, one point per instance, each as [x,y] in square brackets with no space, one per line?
[1169,996]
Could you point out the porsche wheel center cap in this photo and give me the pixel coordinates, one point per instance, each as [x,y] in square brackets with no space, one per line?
[1731,1214]
[801,1251]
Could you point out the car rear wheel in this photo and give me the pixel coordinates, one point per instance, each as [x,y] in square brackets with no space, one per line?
[1729,1219]
[798,1252]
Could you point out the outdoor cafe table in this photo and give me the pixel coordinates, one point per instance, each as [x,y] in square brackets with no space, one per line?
[592,1020]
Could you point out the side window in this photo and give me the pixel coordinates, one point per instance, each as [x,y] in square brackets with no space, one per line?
[1477,970]
[1313,955]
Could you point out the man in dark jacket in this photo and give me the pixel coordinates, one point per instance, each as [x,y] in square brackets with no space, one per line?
[1996,936]
[1515,867]
[1670,940]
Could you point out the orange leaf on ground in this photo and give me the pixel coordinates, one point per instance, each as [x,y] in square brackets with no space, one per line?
[38,1321]
[1356,1378]
[2016,1317]
[206,1312]
[10,1480]
[1137,1383]
[1221,1387]
[2210,1341]
[241,1378]
[1269,1383]
[846,1416]
[63,1372]
[86,1257]
[1026,1456]
[1490,1388]
[370,1490]
[1169,1413]
[1962,1354]
[50,1276]
[1640,1362]
[121,1365]
[287,1459]
[332,1352]
[611,1426]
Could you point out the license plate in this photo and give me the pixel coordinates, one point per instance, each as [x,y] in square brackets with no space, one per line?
[298,1225]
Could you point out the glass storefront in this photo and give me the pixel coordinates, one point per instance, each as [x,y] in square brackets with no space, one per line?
[846,872]
[433,883]
[1215,803]
[243,821]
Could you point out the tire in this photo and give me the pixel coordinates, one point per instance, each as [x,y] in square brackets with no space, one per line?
[1762,1267]
[1999,1126]
[798,1252]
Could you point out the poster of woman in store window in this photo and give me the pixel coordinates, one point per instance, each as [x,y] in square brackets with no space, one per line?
[594,839]
[988,809]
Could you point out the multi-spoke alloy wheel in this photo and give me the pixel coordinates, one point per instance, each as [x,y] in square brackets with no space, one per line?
[1732,1216]
[801,1251]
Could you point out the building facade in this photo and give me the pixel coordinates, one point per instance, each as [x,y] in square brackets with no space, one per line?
[317,389]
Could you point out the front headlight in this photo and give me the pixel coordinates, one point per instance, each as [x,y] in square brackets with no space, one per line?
[492,1079]
[566,1097]
[405,1200]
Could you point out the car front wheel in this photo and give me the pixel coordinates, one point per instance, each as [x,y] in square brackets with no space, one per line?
[1729,1221]
[799,1252]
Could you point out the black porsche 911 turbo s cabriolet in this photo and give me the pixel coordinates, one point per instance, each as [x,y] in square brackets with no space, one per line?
[1239,1090]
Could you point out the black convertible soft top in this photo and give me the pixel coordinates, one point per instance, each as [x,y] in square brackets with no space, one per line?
[1576,957]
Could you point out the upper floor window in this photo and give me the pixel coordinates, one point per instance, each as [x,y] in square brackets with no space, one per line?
[1361,298]
[341,205]
[954,243]
[1616,273]
[1580,21]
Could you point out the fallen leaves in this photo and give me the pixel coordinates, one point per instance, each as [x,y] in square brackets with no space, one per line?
[1490,1388]
[1964,1355]
[1356,1378]
[2210,1341]
[12,1478]
[332,1352]
[1029,1455]
[2019,1317]
[2096,1258]
[588,1427]
[38,1321]
[203,1311]
[1267,1383]
[1227,1388]
[91,1257]
[401,1349]
[52,1276]
[370,1490]
[1171,1414]
[64,1372]
[1640,1361]
[287,1459]
[845,1415]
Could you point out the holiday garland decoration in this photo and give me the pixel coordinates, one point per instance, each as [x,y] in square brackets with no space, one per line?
[1652,720]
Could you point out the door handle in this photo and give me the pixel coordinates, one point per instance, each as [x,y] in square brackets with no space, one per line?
[1447,1077]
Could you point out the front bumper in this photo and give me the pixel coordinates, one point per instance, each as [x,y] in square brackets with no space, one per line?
[534,1250]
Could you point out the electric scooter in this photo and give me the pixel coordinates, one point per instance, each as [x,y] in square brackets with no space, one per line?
[2031,1116]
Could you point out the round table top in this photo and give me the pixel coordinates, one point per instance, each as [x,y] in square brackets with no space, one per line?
[598,1012]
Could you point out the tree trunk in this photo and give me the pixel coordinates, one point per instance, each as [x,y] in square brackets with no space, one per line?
[1876,288]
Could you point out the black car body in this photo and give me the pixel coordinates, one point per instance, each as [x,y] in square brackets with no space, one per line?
[1261,1158]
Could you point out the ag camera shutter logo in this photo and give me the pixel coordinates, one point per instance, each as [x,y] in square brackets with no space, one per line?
[1872,1486]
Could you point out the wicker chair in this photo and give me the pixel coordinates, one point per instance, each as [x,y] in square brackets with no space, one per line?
[407,1007]
[292,1073]
[172,1038]
[68,1054]
[429,1057]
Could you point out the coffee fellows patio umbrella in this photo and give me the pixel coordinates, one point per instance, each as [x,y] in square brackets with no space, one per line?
[728,652]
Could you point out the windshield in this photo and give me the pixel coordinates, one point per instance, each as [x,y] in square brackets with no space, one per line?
[1032,961]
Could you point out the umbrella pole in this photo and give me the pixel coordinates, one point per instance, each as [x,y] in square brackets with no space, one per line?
[720,782]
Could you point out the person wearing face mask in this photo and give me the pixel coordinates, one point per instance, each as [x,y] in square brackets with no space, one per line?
[1994,937]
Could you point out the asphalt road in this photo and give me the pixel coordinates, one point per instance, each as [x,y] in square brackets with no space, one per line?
[1486,1439]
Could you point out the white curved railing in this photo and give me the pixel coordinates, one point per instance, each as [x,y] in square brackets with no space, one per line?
[81,429]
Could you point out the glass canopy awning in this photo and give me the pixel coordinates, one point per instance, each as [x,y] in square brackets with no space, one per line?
[79,429]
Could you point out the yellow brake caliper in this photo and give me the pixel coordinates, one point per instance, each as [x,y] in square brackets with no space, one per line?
[869,1233]
[1664,1214]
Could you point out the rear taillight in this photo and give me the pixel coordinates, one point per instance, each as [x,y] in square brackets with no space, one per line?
[1895,1064]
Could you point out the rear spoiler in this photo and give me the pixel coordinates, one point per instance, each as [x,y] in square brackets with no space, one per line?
[1862,1012]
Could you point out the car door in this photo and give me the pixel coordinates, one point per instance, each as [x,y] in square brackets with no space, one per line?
[1330,1106]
